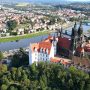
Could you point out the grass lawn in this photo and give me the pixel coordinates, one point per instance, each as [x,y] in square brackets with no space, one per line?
[14,38]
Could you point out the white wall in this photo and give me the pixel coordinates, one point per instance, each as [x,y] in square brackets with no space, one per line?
[51,52]
[30,56]
[42,56]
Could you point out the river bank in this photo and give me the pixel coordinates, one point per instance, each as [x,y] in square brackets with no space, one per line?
[16,38]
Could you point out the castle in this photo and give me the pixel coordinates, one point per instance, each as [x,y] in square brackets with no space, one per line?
[59,45]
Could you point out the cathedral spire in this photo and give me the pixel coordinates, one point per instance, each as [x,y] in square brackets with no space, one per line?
[74,30]
[80,30]
[61,32]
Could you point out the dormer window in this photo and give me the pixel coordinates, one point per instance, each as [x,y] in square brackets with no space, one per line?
[41,50]
[44,50]
[35,49]
[47,51]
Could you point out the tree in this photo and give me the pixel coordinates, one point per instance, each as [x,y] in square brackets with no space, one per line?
[32,23]
[89,31]
[13,88]
[1,56]
[45,76]
[3,87]
[20,58]
[12,24]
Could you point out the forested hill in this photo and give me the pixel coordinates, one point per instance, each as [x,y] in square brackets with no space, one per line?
[82,6]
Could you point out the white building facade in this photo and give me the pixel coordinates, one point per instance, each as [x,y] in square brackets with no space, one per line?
[43,51]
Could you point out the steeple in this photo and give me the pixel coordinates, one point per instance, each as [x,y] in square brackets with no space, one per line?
[73,45]
[74,31]
[74,38]
[80,30]
[61,32]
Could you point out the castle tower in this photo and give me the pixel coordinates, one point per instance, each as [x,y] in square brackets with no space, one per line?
[54,42]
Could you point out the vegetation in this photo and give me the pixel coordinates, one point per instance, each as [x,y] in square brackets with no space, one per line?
[20,58]
[44,76]
[11,24]
[14,38]
[1,56]
[88,31]
[74,19]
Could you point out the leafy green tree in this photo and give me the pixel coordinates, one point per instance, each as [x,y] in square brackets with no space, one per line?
[32,23]
[43,82]
[3,68]
[11,24]
[44,76]
[20,58]
[5,80]
[18,74]
[1,56]
[3,87]
[13,88]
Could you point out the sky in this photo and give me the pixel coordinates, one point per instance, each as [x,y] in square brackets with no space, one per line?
[40,0]
[79,0]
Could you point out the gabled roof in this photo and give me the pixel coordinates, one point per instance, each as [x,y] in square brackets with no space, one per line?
[61,60]
[45,44]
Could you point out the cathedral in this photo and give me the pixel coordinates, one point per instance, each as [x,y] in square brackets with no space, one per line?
[76,45]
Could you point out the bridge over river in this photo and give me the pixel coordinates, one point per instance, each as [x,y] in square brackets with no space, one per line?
[87,22]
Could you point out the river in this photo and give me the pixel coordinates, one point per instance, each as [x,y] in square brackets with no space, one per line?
[6,46]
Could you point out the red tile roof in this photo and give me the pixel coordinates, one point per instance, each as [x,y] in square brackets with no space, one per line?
[80,49]
[61,60]
[46,44]
[64,42]
[87,47]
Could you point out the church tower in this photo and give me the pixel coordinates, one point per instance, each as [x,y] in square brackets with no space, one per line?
[80,29]
[80,32]
[74,38]
[81,38]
